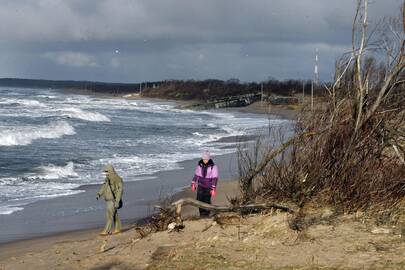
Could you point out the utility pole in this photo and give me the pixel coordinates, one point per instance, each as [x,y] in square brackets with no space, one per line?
[315,80]
[316,71]
[140,88]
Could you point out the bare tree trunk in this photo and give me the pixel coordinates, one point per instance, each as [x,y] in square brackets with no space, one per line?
[359,56]
[177,205]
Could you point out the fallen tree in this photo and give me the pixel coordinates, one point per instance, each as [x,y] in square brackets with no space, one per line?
[176,207]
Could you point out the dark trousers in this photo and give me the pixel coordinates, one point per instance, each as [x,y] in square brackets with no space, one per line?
[204,195]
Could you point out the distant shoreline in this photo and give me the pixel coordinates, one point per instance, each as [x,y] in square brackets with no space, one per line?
[130,91]
[282,111]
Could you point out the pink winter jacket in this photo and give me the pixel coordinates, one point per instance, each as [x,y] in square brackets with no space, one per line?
[206,175]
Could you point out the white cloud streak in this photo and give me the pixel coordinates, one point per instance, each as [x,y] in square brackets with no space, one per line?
[73,59]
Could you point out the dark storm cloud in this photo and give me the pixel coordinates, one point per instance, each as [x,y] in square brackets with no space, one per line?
[132,40]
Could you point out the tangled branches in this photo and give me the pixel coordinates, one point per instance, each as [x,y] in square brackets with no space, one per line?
[349,150]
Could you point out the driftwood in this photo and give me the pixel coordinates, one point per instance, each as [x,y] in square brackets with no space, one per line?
[177,206]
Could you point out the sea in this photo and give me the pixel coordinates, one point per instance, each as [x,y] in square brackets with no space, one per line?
[53,142]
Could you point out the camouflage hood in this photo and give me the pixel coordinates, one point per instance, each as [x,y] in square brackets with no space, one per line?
[112,175]
[112,188]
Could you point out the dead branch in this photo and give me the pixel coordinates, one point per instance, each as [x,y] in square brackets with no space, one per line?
[177,206]
[246,180]
[385,88]
[399,155]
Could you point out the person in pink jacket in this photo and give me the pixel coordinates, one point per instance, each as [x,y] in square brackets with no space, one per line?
[205,181]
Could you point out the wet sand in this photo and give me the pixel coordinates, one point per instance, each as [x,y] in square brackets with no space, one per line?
[289,112]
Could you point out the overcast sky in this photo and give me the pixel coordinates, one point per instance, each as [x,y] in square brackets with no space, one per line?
[138,40]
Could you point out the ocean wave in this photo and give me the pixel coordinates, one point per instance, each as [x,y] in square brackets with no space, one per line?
[198,134]
[85,115]
[39,194]
[27,134]
[132,167]
[20,191]
[22,102]
[145,164]
[7,210]
[203,139]
[56,172]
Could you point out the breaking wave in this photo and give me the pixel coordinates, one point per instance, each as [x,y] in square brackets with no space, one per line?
[56,172]
[22,102]
[27,134]
[7,210]
[85,115]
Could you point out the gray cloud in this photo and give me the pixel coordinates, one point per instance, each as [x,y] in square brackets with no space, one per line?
[160,39]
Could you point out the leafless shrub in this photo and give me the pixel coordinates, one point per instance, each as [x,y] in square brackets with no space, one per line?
[349,150]
[250,155]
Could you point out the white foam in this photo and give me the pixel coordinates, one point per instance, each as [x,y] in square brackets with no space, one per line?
[22,102]
[7,210]
[56,172]
[64,192]
[142,165]
[198,134]
[31,103]
[132,167]
[85,115]
[38,192]
[25,135]
[20,191]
